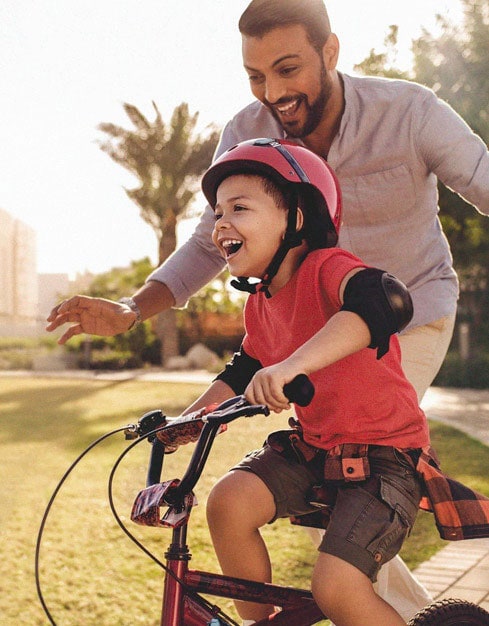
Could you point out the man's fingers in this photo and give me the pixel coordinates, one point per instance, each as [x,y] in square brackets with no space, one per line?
[71,332]
[63,307]
[63,318]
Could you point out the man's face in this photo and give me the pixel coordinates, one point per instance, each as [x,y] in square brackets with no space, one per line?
[289,76]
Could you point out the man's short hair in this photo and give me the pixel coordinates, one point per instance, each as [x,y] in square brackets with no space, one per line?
[262,16]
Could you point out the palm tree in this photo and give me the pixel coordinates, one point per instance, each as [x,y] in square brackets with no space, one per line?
[167,160]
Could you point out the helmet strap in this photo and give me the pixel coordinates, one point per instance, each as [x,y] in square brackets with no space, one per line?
[241,283]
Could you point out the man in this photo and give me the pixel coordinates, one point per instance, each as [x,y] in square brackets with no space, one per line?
[388,141]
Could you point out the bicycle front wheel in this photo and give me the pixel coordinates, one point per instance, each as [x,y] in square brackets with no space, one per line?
[451,612]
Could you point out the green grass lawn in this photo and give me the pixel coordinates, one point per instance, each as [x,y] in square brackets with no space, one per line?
[90,572]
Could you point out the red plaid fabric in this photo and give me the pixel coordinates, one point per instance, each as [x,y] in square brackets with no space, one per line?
[185,429]
[146,507]
[460,512]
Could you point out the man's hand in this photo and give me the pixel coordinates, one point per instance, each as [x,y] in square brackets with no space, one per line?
[94,316]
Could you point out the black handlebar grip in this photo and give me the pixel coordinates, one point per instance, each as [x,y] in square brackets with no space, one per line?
[300,390]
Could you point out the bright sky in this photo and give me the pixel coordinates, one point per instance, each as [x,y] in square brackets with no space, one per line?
[67,66]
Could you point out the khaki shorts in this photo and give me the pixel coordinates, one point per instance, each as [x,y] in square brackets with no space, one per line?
[370,518]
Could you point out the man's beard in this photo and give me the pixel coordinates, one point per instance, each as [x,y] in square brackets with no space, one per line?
[314,111]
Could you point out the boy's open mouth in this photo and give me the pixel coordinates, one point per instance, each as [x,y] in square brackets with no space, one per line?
[231,246]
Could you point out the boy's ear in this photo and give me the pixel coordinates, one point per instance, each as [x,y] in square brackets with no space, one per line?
[299,222]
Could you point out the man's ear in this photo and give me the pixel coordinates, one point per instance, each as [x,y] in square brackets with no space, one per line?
[331,51]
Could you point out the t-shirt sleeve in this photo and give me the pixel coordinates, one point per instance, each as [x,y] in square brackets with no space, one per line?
[331,273]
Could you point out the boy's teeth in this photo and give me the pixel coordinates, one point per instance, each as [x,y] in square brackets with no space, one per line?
[231,245]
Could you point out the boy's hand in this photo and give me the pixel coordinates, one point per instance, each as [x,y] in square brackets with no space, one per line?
[267,386]
[94,316]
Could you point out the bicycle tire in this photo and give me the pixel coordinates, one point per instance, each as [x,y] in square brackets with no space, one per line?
[451,612]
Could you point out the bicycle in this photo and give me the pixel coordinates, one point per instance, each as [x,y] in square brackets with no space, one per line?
[182,602]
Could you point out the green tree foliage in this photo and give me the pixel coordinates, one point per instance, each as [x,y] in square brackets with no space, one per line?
[167,161]
[216,297]
[119,281]
[455,65]
[383,63]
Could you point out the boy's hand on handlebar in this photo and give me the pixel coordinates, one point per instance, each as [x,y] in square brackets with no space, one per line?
[267,387]
[94,316]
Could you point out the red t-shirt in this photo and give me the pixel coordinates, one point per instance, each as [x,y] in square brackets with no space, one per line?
[358,399]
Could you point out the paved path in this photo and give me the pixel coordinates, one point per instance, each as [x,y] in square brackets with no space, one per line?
[461,569]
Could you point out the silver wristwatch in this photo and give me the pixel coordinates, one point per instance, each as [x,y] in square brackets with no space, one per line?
[134,307]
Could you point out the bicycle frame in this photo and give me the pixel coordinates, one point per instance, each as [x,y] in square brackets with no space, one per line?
[182,606]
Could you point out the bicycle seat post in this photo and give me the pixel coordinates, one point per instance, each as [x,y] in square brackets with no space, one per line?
[177,557]
[178,549]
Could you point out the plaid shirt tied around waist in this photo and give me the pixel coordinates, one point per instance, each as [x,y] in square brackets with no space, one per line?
[459,512]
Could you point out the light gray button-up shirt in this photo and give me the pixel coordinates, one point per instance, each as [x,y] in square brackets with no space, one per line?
[395,139]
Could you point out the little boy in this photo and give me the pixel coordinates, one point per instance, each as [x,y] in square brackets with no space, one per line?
[315,310]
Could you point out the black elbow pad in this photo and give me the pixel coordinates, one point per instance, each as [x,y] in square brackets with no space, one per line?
[239,371]
[382,301]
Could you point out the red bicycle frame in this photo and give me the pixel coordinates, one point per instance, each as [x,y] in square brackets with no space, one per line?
[182,607]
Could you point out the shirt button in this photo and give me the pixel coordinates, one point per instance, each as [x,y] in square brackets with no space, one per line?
[350,470]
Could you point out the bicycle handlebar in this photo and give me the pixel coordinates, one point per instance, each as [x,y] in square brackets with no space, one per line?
[300,391]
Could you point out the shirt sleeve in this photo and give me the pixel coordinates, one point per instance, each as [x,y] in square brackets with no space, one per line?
[452,151]
[332,271]
[198,260]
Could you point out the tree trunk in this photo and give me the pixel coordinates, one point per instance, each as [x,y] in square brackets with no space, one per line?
[167,332]
[166,323]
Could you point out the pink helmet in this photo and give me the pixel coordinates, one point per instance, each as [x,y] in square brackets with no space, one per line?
[286,162]
[297,168]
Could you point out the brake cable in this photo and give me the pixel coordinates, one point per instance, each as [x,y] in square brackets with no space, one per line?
[48,509]
[199,599]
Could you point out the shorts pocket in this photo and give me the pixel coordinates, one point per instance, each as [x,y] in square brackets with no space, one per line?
[404,503]
[379,529]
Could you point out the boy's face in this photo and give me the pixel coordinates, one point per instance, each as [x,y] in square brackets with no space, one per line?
[249,225]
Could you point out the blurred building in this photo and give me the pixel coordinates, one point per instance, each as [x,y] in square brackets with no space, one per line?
[52,289]
[18,275]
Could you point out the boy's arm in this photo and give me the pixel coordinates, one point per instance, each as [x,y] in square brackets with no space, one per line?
[344,334]
[232,381]
[216,393]
[375,306]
